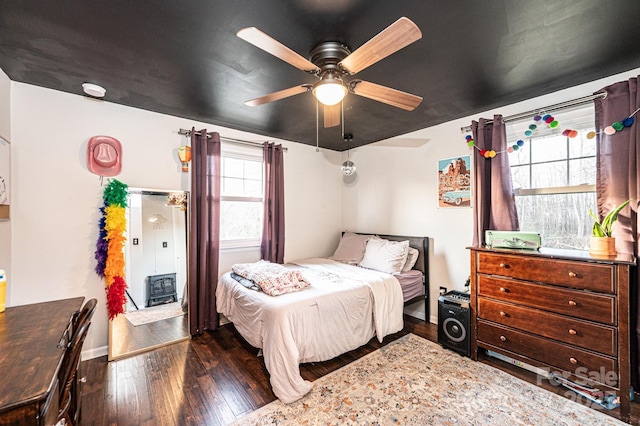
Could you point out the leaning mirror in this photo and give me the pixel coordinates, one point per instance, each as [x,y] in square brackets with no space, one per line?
[156,273]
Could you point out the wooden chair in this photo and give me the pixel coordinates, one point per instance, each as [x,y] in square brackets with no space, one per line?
[84,314]
[70,390]
[70,363]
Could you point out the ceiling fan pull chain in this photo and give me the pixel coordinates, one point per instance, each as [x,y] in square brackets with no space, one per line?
[342,116]
[317,132]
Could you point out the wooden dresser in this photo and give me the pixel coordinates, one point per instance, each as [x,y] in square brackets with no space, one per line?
[32,341]
[560,310]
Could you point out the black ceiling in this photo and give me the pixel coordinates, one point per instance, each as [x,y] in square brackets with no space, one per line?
[183,58]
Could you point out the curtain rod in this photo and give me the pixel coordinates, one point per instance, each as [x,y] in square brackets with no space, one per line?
[562,105]
[230,140]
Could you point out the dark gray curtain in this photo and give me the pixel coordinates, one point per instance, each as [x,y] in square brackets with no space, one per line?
[204,235]
[618,160]
[272,246]
[494,204]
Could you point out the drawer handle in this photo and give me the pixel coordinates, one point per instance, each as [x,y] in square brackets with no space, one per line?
[503,339]
[573,360]
[504,265]
[572,332]
[572,303]
[504,290]
[503,314]
[572,274]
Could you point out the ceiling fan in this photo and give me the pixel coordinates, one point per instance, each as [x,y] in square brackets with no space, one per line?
[331,61]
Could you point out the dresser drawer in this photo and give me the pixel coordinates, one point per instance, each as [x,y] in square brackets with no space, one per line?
[587,335]
[583,275]
[578,304]
[563,357]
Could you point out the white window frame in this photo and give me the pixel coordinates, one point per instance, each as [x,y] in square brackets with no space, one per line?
[241,153]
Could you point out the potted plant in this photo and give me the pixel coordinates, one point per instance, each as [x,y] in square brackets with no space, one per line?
[602,243]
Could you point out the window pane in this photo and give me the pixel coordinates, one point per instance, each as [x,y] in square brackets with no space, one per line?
[522,155]
[548,149]
[232,167]
[253,170]
[232,186]
[580,146]
[240,220]
[242,178]
[562,219]
[520,177]
[582,171]
[549,174]
[253,188]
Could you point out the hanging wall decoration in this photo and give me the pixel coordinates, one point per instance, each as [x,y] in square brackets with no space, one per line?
[110,246]
[454,182]
[184,152]
[552,123]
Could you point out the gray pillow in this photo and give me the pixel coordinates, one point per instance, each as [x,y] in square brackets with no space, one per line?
[351,248]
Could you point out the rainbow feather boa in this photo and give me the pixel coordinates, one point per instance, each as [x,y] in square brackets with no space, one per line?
[110,246]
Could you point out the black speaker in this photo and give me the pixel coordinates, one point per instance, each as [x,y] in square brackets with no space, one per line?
[453,322]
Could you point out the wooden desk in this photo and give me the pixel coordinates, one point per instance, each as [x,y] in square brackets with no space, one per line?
[30,359]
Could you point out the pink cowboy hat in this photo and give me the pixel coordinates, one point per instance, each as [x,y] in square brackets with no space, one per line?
[104,156]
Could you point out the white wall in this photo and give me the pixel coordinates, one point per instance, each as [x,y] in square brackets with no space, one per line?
[5,133]
[5,106]
[55,199]
[395,190]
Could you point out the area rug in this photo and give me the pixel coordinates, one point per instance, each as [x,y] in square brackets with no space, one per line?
[155,313]
[413,381]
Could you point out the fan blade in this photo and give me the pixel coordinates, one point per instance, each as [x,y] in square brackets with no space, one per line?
[276,96]
[277,49]
[400,34]
[332,115]
[385,94]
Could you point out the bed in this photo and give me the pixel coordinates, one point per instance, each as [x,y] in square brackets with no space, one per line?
[343,308]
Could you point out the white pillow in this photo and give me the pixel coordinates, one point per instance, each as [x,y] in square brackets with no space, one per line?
[351,248]
[412,258]
[385,256]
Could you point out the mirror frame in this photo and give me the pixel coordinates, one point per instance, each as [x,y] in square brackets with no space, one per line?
[112,356]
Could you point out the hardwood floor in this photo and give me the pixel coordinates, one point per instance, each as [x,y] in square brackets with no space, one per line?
[212,379]
[127,339]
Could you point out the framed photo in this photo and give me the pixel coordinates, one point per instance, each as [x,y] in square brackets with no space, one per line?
[454,182]
[5,175]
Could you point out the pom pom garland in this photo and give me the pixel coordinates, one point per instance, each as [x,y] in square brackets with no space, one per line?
[110,246]
[552,123]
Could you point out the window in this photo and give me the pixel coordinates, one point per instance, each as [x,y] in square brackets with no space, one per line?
[241,201]
[554,178]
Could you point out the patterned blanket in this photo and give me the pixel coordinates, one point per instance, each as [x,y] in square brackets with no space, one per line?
[273,278]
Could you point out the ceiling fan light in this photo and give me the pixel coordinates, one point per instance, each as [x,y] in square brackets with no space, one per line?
[330,91]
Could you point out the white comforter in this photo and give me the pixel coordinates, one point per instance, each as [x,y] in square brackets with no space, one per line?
[344,307]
